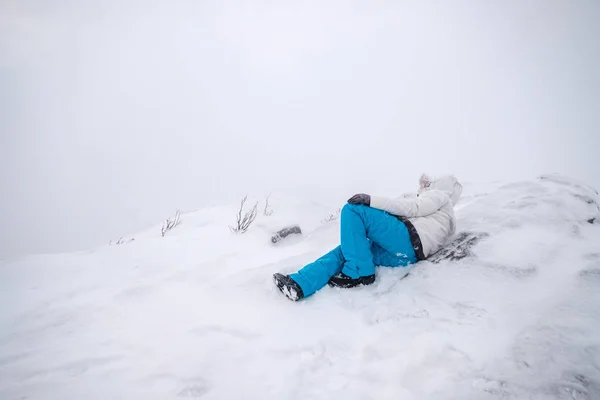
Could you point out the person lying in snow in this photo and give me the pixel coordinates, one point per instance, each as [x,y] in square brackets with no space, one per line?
[380,231]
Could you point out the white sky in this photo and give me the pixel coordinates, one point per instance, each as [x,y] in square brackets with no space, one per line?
[115,113]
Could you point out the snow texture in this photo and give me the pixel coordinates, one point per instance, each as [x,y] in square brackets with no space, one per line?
[195,314]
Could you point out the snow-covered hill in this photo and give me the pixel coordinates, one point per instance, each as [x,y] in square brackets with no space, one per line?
[195,314]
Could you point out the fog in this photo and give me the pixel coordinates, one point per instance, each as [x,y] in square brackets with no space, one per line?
[115,113]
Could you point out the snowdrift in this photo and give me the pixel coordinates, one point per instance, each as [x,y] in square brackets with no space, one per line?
[195,314]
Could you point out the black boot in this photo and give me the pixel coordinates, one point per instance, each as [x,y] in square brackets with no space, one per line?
[344,281]
[288,286]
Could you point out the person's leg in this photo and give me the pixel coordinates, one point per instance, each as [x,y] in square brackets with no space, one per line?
[315,275]
[363,226]
[404,259]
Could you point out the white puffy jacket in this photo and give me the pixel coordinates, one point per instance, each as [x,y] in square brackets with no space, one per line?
[431,213]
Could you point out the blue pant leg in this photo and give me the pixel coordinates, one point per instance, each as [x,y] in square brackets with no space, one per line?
[363,226]
[316,275]
[384,258]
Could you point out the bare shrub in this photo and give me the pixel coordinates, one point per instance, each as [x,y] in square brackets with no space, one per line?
[120,241]
[170,223]
[332,216]
[244,219]
[268,211]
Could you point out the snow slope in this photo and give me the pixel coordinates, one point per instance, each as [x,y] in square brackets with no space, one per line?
[195,314]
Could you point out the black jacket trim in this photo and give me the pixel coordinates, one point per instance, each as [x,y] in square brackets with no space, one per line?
[414,238]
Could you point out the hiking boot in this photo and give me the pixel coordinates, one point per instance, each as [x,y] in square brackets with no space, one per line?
[344,281]
[288,286]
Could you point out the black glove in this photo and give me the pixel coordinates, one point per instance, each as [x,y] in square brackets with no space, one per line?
[360,199]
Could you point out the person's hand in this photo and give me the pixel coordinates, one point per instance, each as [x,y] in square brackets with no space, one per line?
[361,198]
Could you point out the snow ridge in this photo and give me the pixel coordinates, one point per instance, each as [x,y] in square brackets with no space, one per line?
[195,314]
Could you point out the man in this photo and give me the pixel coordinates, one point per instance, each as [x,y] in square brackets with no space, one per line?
[381,231]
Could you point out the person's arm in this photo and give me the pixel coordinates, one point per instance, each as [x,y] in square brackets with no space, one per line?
[419,207]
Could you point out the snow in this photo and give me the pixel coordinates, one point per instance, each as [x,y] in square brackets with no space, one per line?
[195,314]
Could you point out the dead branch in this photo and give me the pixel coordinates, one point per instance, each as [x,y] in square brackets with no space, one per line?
[244,219]
[332,216]
[170,223]
[268,211]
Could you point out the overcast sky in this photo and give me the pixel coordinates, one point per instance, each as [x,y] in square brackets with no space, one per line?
[115,113]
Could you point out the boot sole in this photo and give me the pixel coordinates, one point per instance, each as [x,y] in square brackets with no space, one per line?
[363,280]
[288,291]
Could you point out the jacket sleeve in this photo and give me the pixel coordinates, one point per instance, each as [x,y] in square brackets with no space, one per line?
[426,204]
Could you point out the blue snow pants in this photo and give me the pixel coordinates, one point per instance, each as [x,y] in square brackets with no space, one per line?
[369,237]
